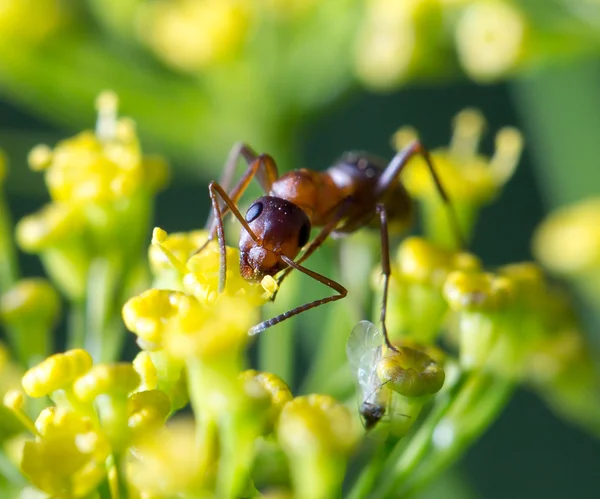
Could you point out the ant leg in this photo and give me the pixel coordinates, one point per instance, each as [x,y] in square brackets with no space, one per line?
[341,290]
[239,150]
[386,269]
[395,167]
[216,190]
[264,165]
[342,209]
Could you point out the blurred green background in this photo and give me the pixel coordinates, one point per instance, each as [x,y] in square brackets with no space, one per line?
[307,81]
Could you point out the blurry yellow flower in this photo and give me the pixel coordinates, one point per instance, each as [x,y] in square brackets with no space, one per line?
[56,372]
[101,188]
[416,307]
[387,43]
[410,372]
[185,327]
[147,410]
[470,179]
[504,318]
[193,34]
[317,434]
[31,300]
[29,21]
[421,262]
[568,241]
[278,391]
[68,458]
[100,166]
[29,311]
[112,379]
[55,223]
[491,38]
[168,462]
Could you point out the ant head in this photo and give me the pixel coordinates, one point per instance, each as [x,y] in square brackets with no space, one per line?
[280,227]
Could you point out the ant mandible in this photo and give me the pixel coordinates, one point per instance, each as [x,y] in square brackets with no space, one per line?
[347,196]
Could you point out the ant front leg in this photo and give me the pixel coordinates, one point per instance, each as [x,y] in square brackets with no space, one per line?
[341,290]
[395,167]
[263,167]
[386,269]
[239,150]
[216,190]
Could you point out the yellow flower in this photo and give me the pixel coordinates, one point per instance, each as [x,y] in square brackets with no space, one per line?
[29,21]
[503,317]
[101,166]
[199,273]
[185,327]
[470,179]
[317,434]
[101,188]
[167,462]
[56,372]
[568,241]
[67,458]
[55,223]
[394,39]
[410,372]
[147,410]
[193,34]
[278,391]
[491,38]
[416,306]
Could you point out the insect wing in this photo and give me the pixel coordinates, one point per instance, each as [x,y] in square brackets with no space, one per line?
[364,350]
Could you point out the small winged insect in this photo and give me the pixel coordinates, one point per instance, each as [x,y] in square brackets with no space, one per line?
[365,350]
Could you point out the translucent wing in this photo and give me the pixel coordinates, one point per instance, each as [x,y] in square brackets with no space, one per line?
[364,350]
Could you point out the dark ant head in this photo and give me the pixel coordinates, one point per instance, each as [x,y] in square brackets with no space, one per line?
[371,413]
[280,227]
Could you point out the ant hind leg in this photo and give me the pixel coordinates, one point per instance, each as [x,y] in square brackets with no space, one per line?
[385,269]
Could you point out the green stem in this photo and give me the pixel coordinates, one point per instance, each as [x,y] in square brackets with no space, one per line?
[9,270]
[9,471]
[30,345]
[454,424]
[368,477]
[104,332]
[473,422]
[76,326]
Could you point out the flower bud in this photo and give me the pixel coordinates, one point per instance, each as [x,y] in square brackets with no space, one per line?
[317,434]
[82,449]
[56,372]
[410,372]
[30,310]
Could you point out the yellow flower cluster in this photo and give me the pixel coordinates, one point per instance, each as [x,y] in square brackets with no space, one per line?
[193,339]
[98,414]
[470,179]
[101,188]
[402,40]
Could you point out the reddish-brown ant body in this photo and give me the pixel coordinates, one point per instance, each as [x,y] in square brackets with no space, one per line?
[356,191]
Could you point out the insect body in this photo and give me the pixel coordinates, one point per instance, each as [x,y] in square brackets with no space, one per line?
[364,350]
[381,369]
[356,191]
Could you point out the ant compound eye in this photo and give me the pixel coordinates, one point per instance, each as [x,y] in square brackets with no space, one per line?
[303,235]
[254,211]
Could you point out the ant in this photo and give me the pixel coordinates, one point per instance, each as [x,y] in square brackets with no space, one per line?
[349,195]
